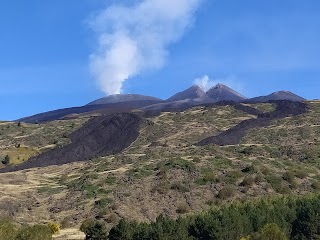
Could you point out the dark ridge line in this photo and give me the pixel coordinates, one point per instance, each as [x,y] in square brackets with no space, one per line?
[110,108]
[100,136]
[236,105]
[234,135]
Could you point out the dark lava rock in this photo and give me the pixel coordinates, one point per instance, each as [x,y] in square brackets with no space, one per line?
[101,136]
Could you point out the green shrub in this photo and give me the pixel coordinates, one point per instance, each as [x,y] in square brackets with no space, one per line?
[277,184]
[180,187]
[315,185]
[226,192]
[300,174]
[162,187]
[111,180]
[249,169]
[211,177]
[179,163]
[233,176]
[94,230]
[288,176]
[102,203]
[200,181]
[112,218]
[183,208]
[196,159]
[208,177]
[247,181]
[259,178]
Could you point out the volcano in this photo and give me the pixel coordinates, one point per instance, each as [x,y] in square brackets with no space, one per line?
[191,93]
[221,92]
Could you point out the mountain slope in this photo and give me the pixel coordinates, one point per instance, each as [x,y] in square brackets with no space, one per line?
[280,95]
[221,92]
[98,108]
[191,93]
[117,98]
[163,171]
[101,136]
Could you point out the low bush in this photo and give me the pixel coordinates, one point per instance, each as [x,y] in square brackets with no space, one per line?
[248,181]
[288,176]
[183,208]
[315,185]
[300,174]
[180,187]
[226,192]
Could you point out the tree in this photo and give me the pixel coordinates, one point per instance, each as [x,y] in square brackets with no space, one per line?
[306,225]
[272,232]
[94,230]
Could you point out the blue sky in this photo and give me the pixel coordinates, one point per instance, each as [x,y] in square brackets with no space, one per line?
[256,47]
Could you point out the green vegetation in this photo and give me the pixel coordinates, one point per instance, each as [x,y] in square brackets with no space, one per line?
[21,141]
[274,218]
[11,231]
[94,230]
[55,228]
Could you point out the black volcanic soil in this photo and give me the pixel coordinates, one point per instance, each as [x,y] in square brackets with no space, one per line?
[233,135]
[101,136]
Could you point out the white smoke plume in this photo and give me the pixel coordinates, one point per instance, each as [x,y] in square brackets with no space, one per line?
[206,82]
[135,38]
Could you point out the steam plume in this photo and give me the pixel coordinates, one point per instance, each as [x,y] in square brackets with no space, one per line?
[133,39]
[206,82]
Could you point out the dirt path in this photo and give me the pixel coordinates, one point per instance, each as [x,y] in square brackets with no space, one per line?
[70,234]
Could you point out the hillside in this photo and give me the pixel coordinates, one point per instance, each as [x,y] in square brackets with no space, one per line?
[221,92]
[165,171]
[280,95]
[191,93]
